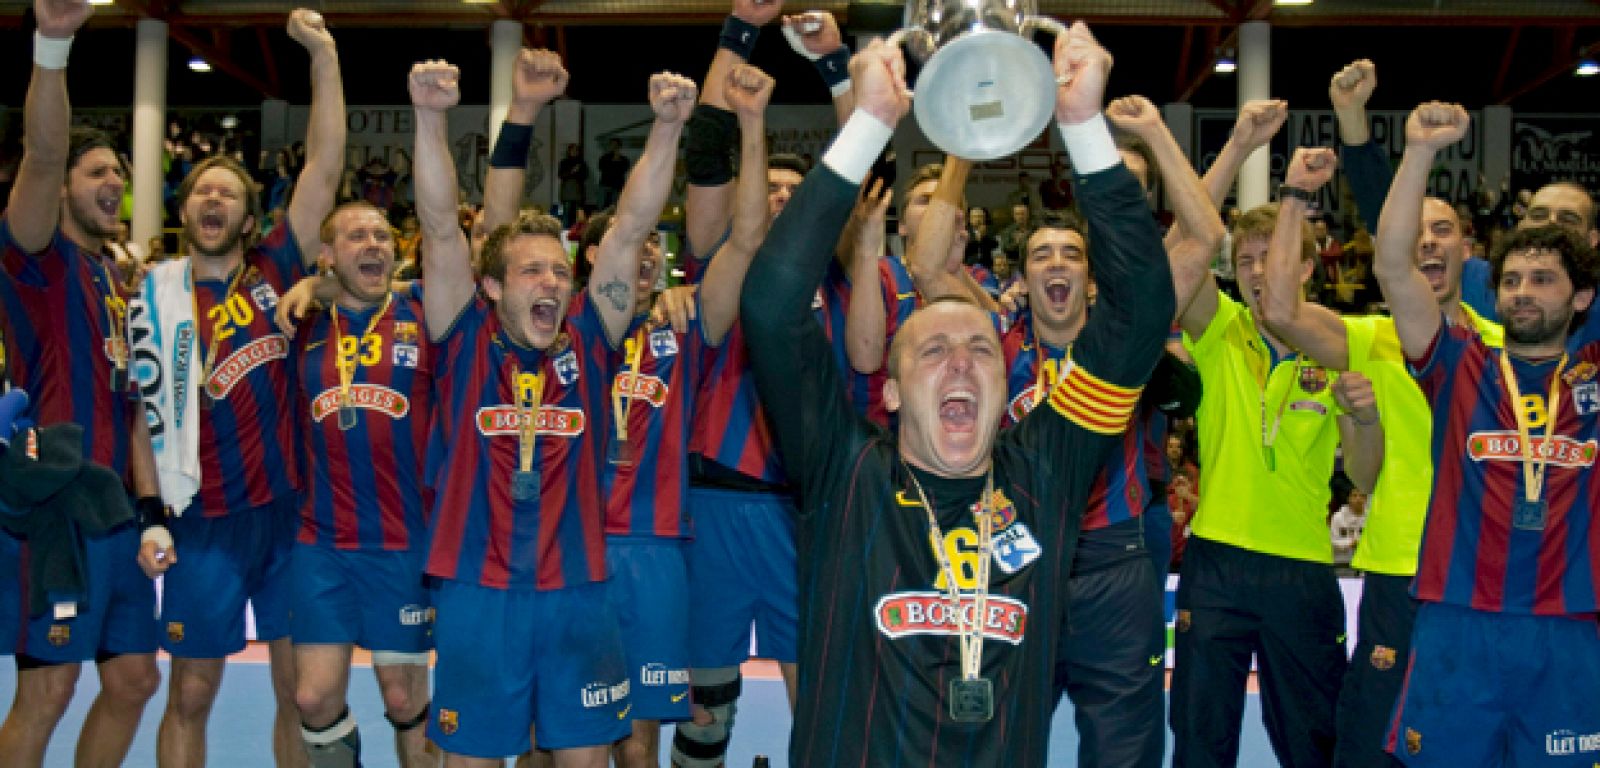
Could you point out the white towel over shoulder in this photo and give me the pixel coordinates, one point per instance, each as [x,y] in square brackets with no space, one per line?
[165,363]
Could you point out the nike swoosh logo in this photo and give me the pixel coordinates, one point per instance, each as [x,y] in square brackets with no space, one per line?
[904,296]
[310,345]
[1155,661]
[679,697]
[623,715]
[1340,638]
[900,496]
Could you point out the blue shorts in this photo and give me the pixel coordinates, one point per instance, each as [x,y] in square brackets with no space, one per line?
[650,597]
[222,562]
[117,616]
[742,569]
[372,599]
[513,659]
[1493,689]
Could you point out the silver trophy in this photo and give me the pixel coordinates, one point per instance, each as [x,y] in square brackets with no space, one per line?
[986,89]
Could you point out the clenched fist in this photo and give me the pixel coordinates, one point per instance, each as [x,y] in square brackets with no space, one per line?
[435,85]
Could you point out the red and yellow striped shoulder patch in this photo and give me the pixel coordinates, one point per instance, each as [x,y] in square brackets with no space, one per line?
[1094,403]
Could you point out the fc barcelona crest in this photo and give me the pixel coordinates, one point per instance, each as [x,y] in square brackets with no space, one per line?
[449,721]
[1383,658]
[60,634]
[175,631]
[1313,380]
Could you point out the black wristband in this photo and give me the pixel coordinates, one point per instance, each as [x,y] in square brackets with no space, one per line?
[834,67]
[1285,191]
[739,36]
[150,511]
[708,143]
[511,147]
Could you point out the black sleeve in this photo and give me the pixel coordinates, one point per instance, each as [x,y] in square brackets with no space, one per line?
[1367,169]
[1174,387]
[801,389]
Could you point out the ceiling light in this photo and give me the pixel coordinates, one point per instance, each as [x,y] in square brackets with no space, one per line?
[1226,65]
[101,2]
[1291,2]
[1587,68]
[198,64]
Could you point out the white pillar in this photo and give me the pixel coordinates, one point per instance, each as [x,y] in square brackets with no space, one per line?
[149,127]
[1255,82]
[505,38]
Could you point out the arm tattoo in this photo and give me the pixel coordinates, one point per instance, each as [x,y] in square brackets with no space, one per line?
[615,292]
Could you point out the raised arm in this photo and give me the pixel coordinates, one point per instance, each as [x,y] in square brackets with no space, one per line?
[708,197]
[1366,165]
[866,321]
[1311,328]
[748,91]
[787,351]
[34,209]
[318,185]
[1198,229]
[536,80]
[815,35]
[616,265]
[1258,122]
[446,257]
[1431,127]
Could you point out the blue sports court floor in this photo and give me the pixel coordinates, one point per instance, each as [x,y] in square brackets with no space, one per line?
[239,737]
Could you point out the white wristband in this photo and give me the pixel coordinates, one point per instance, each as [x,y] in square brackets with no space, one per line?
[158,534]
[50,52]
[1090,145]
[857,146]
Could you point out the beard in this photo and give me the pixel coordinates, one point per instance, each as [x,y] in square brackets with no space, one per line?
[191,236]
[1544,328]
[87,217]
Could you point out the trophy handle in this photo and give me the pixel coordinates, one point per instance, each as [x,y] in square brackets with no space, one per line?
[1033,24]
[920,39]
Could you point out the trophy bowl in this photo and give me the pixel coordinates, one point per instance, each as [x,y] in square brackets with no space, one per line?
[986,89]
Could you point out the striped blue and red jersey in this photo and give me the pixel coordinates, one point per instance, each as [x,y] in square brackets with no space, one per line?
[60,309]
[729,425]
[900,299]
[478,532]
[367,489]
[657,378]
[1122,487]
[249,433]
[1475,552]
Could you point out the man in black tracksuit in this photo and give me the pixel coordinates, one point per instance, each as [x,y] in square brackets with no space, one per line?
[892,670]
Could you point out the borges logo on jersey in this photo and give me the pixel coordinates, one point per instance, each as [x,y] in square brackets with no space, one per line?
[903,614]
[1560,450]
[656,674]
[369,396]
[663,343]
[647,388]
[504,420]
[244,360]
[566,366]
[601,694]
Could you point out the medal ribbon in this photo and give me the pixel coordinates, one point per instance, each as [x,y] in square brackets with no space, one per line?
[216,339]
[970,632]
[115,307]
[622,402]
[347,364]
[1269,435]
[1533,467]
[530,388]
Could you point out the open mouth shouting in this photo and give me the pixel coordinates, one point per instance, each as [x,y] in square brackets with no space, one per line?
[958,411]
[545,314]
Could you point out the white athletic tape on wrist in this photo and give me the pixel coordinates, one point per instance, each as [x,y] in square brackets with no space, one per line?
[841,88]
[799,45]
[50,52]
[857,146]
[1090,145]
